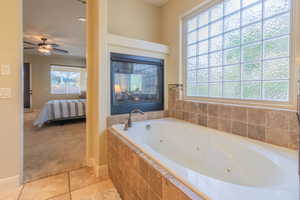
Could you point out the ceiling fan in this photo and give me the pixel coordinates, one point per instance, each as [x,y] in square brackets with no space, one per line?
[44,47]
[82,1]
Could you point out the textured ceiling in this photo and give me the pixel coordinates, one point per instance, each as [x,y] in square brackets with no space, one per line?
[157,2]
[58,21]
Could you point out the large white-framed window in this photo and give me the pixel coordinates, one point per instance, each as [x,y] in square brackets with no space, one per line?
[67,79]
[239,50]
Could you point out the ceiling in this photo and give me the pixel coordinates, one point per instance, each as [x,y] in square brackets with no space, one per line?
[58,21]
[157,2]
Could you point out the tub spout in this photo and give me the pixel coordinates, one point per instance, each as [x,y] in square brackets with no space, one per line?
[130,115]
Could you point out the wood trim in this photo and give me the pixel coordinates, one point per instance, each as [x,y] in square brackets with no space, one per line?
[121,41]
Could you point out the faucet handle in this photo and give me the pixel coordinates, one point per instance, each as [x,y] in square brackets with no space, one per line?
[136,110]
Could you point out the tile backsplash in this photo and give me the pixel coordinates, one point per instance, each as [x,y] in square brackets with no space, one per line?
[119,119]
[278,127]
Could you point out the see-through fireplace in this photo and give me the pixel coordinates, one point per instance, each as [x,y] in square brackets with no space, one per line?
[136,82]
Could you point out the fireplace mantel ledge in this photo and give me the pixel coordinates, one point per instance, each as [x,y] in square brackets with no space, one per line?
[117,40]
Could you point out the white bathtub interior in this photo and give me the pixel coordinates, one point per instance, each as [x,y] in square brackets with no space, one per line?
[217,164]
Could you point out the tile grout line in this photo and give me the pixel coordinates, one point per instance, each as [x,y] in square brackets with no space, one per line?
[69,191]
[88,185]
[56,196]
[55,174]
[69,184]
[21,192]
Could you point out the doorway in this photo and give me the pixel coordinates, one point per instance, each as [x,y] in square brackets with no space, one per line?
[27,86]
[55,84]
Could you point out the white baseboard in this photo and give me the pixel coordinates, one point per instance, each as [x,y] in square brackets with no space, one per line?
[99,170]
[9,183]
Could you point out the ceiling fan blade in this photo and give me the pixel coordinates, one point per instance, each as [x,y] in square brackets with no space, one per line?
[29,48]
[53,45]
[61,50]
[29,43]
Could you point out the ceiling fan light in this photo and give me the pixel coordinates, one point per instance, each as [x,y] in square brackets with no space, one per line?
[49,47]
[44,51]
[82,19]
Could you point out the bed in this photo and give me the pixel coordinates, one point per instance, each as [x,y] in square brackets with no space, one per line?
[56,110]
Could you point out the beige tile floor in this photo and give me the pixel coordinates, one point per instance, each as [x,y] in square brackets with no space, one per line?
[53,148]
[80,184]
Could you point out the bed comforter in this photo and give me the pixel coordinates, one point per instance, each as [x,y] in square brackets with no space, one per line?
[61,109]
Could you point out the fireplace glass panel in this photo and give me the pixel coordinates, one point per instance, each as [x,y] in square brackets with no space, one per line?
[136,83]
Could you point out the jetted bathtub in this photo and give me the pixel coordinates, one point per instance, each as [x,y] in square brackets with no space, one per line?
[220,165]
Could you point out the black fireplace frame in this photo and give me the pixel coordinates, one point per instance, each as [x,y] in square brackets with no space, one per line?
[145,107]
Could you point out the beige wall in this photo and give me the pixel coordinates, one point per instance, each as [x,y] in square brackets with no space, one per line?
[129,18]
[134,19]
[10,109]
[170,32]
[40,79]
[93,55]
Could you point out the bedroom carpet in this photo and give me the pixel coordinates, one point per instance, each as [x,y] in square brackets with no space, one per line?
[52,149]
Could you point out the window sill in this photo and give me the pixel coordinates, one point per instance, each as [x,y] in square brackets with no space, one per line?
[65,94]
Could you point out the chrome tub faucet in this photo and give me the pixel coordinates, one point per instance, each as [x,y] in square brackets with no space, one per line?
[136,110]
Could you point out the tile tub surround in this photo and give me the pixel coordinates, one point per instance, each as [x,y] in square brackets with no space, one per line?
[278,127]
[138,177]
[119,119]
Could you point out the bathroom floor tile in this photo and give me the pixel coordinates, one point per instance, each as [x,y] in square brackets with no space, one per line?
[61,197]
[57,188]
[12,194]
[46,188]
[100,191]
[82,177]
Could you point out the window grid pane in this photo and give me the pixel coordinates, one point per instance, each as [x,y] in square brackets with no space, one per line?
[242,50]
[66,80]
